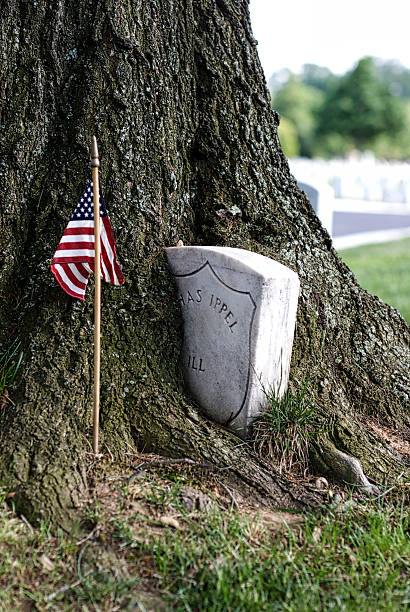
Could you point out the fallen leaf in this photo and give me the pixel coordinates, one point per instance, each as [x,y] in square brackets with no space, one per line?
[317,533]
[321,483]
[47,563]
[4,399]
[169,522]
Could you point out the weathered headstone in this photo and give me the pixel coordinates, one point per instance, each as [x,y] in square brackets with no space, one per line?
[239,311]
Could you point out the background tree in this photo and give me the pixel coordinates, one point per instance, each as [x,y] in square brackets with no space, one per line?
[366,109]
[299,104]
[288,137]
[395,76]
[175,93]
[318,77]
[361,108]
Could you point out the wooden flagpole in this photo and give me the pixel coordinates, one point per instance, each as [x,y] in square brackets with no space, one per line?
[95,164]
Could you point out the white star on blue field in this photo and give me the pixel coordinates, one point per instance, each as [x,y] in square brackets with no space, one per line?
[84,211]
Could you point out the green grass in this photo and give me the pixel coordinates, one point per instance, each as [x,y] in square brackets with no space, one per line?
[351,562]
[10,362]
[353,559]
[383,270]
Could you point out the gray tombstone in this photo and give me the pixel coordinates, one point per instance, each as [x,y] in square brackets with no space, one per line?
[239,311]
[321,197]
[312,194]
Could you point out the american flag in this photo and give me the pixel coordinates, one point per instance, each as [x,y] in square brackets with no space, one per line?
[74,259]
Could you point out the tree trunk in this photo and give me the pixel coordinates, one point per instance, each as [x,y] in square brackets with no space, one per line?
[174,91]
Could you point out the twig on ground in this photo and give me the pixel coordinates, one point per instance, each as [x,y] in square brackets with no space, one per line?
[230,493]
[89,536]
[23,518]
[110,453]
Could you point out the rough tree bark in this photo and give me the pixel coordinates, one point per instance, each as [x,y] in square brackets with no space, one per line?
[174,91]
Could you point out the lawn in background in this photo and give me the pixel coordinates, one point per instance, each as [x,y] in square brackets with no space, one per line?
[383,270]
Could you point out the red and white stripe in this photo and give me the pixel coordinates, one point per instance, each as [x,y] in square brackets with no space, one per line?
[74,259]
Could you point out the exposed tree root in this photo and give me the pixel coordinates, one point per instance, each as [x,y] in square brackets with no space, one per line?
[342,467]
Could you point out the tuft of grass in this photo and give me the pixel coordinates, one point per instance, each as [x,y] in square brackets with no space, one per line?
[93,512]
[10,363]
[383,270]
[283,431]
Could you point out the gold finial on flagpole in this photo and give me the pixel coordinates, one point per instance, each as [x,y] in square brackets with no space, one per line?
[95,160]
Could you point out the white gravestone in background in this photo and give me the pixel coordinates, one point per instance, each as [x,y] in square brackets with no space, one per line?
[239,312]
[321,197]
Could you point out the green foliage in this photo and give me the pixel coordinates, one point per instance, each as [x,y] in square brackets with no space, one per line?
[288,138]
[398,147]
[360,110]
[300,104]
[10,363]
[395,76]
[318,77]
[383,269]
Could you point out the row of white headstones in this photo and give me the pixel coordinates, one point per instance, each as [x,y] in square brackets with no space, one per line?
[360,178]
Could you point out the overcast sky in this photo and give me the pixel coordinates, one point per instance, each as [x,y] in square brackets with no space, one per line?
[334,34]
